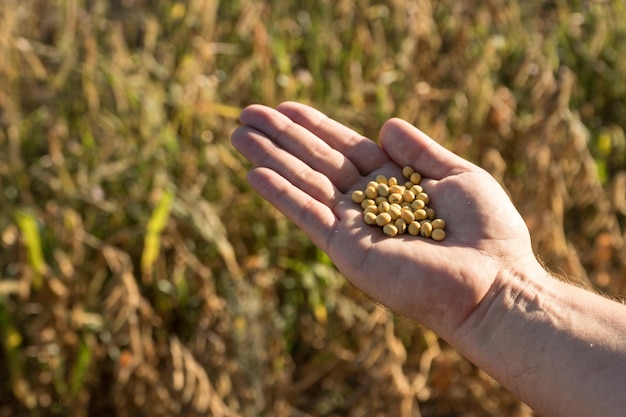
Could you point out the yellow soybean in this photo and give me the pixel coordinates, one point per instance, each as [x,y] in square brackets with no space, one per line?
[395,198]
[358,196]
[439,224]
[380,200]
[407,171]
[382,190]
[370,192]
[395,212]
[370,218]
[390,230]
[383,218]
[416,189]
[414,228]
[418,204]
[408,196]
[401,226]
[426,229]
[420,214]
[424,197]
[407,216]
[396,189]
[371,209]
[415,178]
[438,234]
[366,203]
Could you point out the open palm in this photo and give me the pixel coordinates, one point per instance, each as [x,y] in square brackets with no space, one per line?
[307,165]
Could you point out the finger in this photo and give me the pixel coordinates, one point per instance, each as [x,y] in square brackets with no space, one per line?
[364,153]
[313,217]
[303,144]
[262,152]
[407,145]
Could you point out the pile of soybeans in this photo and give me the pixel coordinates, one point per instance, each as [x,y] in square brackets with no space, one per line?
[400,208]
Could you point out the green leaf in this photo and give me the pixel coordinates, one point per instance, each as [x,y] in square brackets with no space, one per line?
[28,226]
[154,228]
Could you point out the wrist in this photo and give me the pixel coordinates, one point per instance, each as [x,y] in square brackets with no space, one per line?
[504,333]
[520,290]
[558,347]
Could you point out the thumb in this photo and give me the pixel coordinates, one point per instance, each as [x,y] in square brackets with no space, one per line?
[407,145]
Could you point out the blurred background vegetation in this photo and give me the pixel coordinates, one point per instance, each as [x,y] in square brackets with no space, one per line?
[139,275]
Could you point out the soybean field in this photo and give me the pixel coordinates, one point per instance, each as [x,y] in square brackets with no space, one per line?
[141,275]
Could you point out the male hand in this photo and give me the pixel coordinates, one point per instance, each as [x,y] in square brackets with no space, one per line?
[307,165]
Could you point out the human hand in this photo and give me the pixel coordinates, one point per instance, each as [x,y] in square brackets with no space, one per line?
[307,165]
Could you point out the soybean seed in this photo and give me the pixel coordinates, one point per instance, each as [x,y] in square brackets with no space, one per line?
[370,218]
[381,179]
[390,230]
[420,214]
[426,229]
[383,218]
[439,224]
[383,207]
[366,203]
[407,171]
[358,196]
[396,189]
[431,214]
[414,228]
[415,178]
[401,226]
[407,216]
[408,196]
[418,204]
[416,189]
[370,192]
[380,200]
[382,190]
[438,234]
[371,209]
[424,197]
[395,212]
[395,198]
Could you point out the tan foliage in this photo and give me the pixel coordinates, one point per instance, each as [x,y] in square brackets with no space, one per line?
[108,107]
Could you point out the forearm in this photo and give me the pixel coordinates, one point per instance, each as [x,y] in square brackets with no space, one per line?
[560,348]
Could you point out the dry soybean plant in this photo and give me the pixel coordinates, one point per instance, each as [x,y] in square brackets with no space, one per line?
[141,276]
